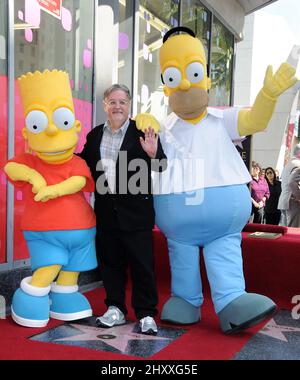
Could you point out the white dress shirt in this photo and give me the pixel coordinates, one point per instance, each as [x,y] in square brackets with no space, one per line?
[201,155]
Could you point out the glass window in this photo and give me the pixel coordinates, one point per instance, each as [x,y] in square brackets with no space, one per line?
[125,63]
[3,126]
[198,19]
[221,65]
[156,17]
[52,43]
[44,41]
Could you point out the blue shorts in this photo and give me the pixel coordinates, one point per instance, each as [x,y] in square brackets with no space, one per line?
[74,250]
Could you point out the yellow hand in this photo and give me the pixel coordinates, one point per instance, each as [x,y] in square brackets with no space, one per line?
[70,186]
[145,121]
[46,193]
[283,79]
[258,117]
[37,182]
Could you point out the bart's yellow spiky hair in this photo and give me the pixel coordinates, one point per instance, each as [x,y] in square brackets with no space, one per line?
[44,87]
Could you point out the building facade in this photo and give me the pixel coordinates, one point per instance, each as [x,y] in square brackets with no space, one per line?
[268,40]
[98,43]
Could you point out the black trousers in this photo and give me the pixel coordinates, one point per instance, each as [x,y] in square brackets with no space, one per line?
[258,214]
[119,250]
[273,218]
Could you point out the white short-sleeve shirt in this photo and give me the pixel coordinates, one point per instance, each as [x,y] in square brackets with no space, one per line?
[201,155]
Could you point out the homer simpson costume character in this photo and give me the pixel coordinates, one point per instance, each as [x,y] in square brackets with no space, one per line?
[208,204]
[58,223]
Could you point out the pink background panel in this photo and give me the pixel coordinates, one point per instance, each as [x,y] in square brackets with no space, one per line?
[3,158]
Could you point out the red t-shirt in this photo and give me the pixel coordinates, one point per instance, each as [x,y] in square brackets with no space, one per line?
[69,212]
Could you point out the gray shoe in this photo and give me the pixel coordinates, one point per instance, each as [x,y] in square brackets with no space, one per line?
[148,326]
[179,311]
[113,317]
[245,311]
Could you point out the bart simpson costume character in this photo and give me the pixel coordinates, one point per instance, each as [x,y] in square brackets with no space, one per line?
[209,206]
[58,223]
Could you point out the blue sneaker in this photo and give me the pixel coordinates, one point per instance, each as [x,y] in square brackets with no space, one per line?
[67,304]
[30,305]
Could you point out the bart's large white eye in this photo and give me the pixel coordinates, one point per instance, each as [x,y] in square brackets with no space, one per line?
[195,72]
[63,118]
[36,121]
[172,77]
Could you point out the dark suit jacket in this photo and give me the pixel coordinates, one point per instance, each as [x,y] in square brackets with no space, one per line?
[127,212]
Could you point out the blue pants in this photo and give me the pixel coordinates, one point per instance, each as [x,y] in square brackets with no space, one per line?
[74,250]
[214,224]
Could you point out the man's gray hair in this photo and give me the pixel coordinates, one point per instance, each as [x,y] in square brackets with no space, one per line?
[116,87]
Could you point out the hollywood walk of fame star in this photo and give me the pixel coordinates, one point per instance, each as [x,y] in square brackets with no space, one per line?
[116,337]
[276,331]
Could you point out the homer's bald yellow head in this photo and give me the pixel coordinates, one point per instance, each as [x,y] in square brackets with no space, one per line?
[50,125]
[184,73]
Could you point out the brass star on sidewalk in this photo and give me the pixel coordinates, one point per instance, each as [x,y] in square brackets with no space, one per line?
[276,331]
[116,337]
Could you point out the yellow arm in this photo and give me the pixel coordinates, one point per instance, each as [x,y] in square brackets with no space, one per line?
[257,118]
[70,186]
[20,172]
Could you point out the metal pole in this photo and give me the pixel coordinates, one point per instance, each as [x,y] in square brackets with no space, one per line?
[11,133]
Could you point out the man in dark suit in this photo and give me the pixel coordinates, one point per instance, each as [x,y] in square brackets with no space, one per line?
[120,158]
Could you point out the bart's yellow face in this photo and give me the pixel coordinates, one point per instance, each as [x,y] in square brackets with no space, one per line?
[50,126]
[183,66]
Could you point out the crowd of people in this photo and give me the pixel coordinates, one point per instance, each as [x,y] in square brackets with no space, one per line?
[276,200]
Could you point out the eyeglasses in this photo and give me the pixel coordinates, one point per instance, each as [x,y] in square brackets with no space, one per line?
[269,173]
[113,103]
